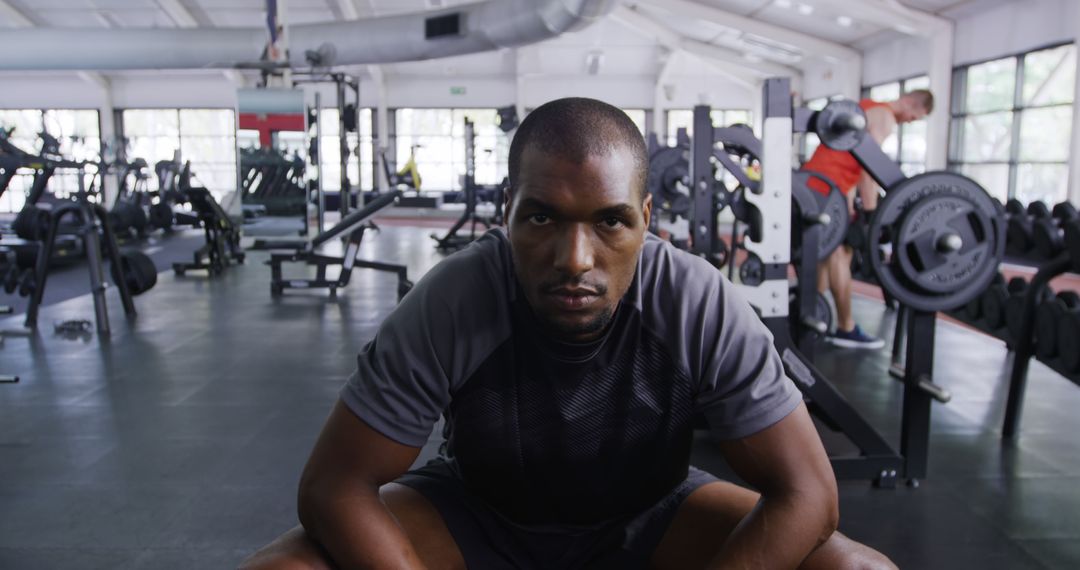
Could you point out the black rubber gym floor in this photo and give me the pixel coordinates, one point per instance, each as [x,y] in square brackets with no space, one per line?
[178,442]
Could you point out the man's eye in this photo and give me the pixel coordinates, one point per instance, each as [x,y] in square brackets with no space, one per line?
[539,219]
[612,223]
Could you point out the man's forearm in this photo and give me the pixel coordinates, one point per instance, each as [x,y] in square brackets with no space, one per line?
[357,531]
[778,533]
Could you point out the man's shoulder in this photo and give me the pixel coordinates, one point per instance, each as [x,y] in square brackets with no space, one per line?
[668,272]
[483,266]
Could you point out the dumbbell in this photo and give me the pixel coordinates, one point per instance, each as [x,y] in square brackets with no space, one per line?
[1014,305]
[11,279]
[1068,338]
[1019,228]
[1048,315]
[1048,234]
[993,303]
[27,283]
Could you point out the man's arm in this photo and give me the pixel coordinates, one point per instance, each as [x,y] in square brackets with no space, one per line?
[339,503]
[798,510]
[880,124]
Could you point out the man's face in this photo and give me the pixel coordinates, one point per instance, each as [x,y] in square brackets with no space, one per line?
[576,231]
[910,110]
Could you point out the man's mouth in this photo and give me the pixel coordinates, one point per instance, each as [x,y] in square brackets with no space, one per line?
[573,298]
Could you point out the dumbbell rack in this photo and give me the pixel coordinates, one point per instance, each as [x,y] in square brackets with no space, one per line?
[1024,346]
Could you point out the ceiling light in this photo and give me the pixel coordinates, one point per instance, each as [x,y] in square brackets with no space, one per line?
[844,21]
[806,9]
[783,3]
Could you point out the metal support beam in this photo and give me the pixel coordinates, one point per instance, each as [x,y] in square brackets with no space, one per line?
[730,62]
[382,121]
[178,13]
[888,14]
[812,45]
[16,18]
[1074,158]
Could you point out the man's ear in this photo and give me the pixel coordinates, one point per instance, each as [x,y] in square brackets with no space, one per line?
[646,209]
[507,200]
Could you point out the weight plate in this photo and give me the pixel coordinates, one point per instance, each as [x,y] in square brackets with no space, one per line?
[667,167]
[809,203]
[833,233]
[841,125]
[948,240]
[752,271]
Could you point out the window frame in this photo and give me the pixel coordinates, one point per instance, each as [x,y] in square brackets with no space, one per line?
[959,114]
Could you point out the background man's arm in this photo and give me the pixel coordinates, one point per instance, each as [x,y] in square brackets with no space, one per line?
[339,504]
[798,510]
[880,124]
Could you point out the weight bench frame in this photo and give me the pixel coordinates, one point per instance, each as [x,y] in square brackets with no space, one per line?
[352,227]
[222,246]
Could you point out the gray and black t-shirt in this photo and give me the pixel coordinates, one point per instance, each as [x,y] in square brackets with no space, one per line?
[548,432]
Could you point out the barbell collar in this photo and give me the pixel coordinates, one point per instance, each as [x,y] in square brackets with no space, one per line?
[848,122]
[949,243]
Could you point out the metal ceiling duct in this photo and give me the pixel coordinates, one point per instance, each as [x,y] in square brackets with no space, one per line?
[460,30]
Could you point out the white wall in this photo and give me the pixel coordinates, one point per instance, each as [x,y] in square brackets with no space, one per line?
[1015,27]
[1007,29]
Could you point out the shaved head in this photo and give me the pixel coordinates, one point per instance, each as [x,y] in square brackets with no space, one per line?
[575,129]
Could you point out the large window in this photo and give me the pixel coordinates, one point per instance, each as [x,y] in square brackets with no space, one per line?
[1011,124]
[360,171]
[684,119]
[908,144]
[78,132]
[438,136]
[206,137]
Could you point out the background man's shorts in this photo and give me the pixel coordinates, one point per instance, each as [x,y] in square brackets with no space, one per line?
[490,542]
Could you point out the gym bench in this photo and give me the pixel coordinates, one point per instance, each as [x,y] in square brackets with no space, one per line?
[352,228]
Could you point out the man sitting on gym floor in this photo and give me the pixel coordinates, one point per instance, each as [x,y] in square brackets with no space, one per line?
[834,273]
[570,354]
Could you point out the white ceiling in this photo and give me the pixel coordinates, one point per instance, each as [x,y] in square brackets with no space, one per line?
[625,50]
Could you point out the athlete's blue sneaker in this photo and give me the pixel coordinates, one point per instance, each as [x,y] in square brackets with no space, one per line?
[855,338]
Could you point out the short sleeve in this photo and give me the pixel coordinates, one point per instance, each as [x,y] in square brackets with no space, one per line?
[400,387]
[432,341]
[744,388]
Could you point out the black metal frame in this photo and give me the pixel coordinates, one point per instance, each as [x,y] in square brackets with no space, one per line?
[222,247]
[91,219]
[352,228]
[878,460]
[451,241]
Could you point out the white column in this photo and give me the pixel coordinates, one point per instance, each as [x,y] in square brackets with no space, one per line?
[659,118]
[1074,155]
[937,127]
[382,120]
[109,136]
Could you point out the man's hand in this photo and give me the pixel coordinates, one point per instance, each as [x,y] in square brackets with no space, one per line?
[798,510]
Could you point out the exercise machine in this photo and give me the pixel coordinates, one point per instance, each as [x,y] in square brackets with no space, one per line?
[352,229]
[473,193]
[947,238]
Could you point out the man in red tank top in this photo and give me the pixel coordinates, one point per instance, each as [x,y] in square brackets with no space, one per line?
[840,167]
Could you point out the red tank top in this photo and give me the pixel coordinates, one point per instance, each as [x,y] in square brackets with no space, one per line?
[838,166]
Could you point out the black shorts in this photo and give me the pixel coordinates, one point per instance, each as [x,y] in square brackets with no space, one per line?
[488,541]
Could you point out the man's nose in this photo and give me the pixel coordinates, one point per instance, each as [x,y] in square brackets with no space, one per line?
[574,251]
